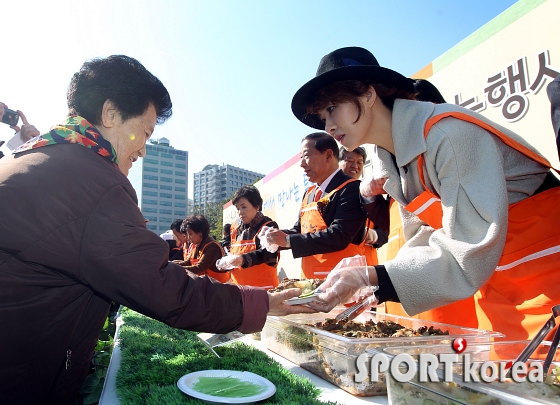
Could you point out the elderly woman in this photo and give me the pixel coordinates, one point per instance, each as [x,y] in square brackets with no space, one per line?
[72,239]
[203,251]
[254,265]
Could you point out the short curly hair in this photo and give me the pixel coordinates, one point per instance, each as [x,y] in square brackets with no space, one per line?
[122,80]
[197,224]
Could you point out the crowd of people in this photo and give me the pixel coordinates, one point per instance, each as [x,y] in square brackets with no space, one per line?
[468,200]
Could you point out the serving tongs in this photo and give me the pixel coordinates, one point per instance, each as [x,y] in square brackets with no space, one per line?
[358,307]
[539,337]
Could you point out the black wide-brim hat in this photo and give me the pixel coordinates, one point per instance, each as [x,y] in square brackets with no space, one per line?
[352,63]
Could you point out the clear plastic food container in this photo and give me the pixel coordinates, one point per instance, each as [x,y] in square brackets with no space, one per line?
[461,392]
[333,357]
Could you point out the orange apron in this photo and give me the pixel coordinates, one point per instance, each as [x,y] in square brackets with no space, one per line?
[396,233]
[261,275]
[517,299]
[395,242]
[311,221]
[186,250]
[370,251]
[221,277]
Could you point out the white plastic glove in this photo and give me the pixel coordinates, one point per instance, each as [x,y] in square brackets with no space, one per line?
[229,262]
[371,237]
[265,243]
[371,186]
[348,282]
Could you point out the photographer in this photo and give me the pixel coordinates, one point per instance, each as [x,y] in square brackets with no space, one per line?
[23,133]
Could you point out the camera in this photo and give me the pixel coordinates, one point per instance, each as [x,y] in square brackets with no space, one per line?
[10,117]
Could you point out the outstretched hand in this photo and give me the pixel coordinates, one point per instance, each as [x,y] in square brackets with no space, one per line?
[277,307]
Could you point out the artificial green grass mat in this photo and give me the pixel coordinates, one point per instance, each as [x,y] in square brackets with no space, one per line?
[155,356]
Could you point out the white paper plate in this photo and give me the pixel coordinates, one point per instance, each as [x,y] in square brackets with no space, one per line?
[186,383]
[300,301]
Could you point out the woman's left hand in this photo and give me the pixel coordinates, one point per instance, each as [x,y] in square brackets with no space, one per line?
[277,307]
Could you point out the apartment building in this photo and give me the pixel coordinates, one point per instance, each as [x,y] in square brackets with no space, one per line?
[163,182]
[216,183]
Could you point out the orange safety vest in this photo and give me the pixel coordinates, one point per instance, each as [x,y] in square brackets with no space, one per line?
[221,277]
[260,275]
[311,221]
[517,299]
[370,251]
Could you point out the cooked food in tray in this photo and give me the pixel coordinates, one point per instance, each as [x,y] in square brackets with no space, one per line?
[371,329]
[442,392]
[329,349]
[307,286]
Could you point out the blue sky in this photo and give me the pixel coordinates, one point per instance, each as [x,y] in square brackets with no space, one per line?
[231,67]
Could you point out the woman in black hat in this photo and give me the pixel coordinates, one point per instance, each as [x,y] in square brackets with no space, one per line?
[463,184]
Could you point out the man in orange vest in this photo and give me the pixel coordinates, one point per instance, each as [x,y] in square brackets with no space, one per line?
[331,223]
[352,164]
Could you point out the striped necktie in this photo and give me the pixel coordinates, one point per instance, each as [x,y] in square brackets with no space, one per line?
[318,194]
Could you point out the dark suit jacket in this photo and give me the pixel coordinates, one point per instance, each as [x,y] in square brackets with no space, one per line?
[344,217]
[553,91]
